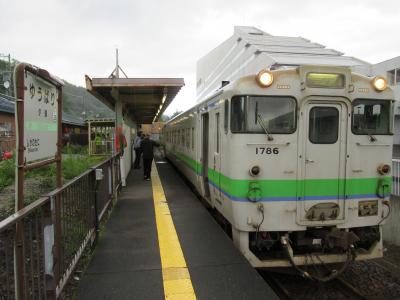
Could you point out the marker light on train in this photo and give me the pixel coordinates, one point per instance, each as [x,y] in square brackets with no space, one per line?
[383,169]
[265,78]
[379,83]
[255,170]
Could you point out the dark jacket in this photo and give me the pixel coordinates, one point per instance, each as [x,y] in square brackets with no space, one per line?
[147,145]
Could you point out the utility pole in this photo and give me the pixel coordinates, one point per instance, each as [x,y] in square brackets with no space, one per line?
[115,72]
[117,64]
[7,79]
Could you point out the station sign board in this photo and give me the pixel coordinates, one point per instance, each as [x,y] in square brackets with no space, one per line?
[37,114]
[40,118]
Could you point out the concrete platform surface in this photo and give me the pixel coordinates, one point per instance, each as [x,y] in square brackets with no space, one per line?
[127,265]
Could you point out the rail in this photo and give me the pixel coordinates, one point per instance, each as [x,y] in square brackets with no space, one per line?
[396,177]
[57,228]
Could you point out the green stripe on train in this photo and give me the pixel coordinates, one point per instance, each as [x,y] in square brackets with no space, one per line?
[290,187]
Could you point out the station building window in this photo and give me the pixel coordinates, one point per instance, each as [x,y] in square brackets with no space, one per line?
[6,129]
[393,76]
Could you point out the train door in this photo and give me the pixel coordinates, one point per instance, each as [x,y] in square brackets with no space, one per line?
[216,177]
[324,162]
[204,155]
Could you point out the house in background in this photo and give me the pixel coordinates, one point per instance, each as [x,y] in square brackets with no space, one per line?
[154,130]
[7,124]
[74,129]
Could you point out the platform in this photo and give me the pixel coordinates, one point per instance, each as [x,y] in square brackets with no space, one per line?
[130,262]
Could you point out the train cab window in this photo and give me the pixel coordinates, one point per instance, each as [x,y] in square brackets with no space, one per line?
[250,113]
[371,117]
[323,125]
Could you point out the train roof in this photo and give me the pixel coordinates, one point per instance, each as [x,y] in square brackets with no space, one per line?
[250,49]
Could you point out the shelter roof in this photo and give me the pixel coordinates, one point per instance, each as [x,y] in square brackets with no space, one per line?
[68,118]
[144,99]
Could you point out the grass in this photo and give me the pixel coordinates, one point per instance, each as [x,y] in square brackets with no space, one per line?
[75,149]
[44,178]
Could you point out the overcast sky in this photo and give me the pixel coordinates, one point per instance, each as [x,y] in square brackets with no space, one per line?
[156,38]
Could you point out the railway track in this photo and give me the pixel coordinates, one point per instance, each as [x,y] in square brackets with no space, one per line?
[289,287]
[348,289]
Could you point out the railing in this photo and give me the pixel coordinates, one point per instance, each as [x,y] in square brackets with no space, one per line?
[396,177]
[101,147]
[57,228]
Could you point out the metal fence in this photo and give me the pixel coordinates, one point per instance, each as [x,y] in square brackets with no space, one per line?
[56,230]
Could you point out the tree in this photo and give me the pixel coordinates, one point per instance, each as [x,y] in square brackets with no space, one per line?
[165,118]
[176,113]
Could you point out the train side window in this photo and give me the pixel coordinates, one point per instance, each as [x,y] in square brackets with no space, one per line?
[192,138]
[323,125]
[188,138]
[238,117]
[226,116]
[217,125]
[181,137]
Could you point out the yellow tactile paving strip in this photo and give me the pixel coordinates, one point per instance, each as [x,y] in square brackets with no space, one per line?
[176,277]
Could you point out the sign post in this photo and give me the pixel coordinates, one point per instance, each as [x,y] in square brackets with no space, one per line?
[38,111]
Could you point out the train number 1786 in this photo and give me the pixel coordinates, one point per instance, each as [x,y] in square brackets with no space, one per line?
[267,150]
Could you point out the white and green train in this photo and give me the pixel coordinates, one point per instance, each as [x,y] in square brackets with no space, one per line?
[296,160]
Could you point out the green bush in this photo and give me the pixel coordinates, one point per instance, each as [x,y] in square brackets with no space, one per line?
[74,166]
[7,173]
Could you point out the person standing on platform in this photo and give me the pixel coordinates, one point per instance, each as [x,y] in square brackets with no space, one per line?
[147,146]
[138,150]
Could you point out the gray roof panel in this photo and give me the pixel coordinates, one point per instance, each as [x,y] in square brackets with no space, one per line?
[6,105]
[321,60]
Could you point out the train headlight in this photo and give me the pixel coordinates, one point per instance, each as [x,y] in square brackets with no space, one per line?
[379,83]
[383,169]
[254,171]
[265,78]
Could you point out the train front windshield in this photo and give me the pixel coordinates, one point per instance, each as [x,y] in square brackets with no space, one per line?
[249,114]
[371,117]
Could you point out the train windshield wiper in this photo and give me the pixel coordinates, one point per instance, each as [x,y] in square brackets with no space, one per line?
[261,122]
[372,138]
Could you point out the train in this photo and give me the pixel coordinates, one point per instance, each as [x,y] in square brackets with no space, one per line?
[296,161]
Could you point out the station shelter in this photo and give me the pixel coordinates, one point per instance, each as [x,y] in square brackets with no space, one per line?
[101,136]
[135,101]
